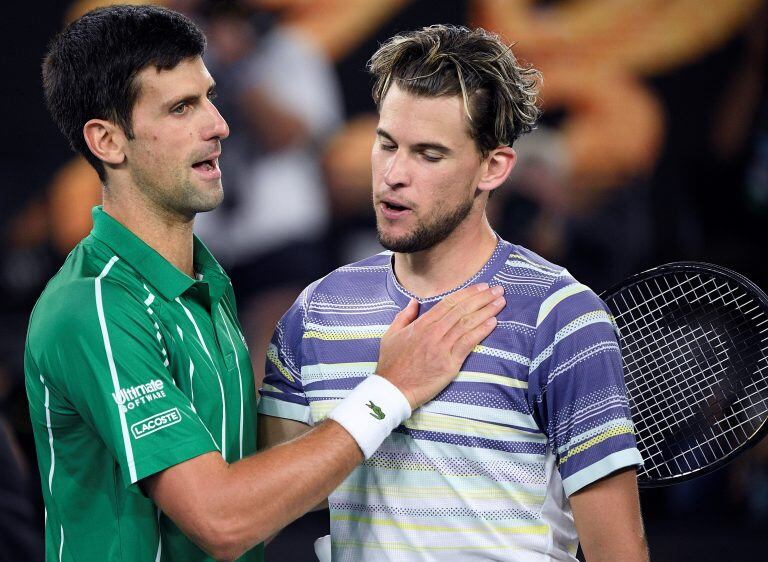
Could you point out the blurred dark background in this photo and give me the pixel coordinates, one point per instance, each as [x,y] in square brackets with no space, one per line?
[653,148]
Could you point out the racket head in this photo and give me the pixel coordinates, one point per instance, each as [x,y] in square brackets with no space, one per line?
[694,341]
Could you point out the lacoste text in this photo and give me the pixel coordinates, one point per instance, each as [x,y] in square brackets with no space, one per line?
[155,423]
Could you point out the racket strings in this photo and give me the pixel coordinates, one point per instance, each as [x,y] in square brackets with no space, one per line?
[651,339]
[694,348]
[652,433]
[669,347]
[714,446]
[667,350]
[721,370]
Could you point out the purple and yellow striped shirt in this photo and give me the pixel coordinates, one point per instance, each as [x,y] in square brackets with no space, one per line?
[483,471]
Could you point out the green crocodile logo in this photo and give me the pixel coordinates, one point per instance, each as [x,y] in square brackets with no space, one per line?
[375,411]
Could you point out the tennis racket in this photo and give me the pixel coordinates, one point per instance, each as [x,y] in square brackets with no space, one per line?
[694,340]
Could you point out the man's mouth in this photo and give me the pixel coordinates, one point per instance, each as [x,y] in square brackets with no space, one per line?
[208,168]
[393,209]
[205,165]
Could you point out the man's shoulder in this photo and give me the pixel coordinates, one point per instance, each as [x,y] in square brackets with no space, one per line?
[361,278]
[528,276]
[557,297]
[89,278]
[376,262]
[538,285]
[523,258]
[343,290]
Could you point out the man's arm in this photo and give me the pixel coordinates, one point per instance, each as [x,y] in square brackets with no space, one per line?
[577,390]
[273,431]
[607,517]
[227,509]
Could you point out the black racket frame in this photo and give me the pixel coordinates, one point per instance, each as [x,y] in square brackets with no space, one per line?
[718,271]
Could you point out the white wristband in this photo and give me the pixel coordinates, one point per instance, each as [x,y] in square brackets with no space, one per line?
[371,411]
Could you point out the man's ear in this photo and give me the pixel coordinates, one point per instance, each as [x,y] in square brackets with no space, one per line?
[497,167]
[105,140]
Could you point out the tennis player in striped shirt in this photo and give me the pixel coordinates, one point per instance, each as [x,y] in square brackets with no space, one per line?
[531,449]
[140,388]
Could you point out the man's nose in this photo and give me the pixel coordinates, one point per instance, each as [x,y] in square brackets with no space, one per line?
[396,173]
[218,127]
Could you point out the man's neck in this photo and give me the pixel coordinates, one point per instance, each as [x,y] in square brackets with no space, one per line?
[449,264]
[170,236]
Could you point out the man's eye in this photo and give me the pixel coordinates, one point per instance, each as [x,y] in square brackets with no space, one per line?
[179,109]
[431,157]
[388,147]
[212,95]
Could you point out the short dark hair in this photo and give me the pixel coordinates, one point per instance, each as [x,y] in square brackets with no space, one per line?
[91,66]
[500,95]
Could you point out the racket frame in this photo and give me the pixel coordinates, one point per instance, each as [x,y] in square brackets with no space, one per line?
[717,271]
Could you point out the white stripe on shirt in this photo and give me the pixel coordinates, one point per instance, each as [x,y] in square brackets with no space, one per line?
[113,369]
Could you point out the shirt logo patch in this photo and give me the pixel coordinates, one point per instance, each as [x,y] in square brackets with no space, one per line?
[155,423]
[375,411]
[131,397]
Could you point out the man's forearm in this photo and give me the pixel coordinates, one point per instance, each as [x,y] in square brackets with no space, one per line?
[608,520]
[285,480]
[274,431]
[242,504]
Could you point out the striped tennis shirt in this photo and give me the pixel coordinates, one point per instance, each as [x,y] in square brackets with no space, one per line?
[483,471]
[131,367]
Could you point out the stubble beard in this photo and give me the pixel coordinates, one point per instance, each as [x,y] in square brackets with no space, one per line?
[427,233]
[201,202]
[185,199]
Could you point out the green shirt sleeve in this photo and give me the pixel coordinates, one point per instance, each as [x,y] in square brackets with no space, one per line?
[102,350]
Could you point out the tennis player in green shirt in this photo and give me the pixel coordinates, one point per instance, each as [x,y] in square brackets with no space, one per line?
[140,387]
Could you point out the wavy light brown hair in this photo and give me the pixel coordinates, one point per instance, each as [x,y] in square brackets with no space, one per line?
[500,95]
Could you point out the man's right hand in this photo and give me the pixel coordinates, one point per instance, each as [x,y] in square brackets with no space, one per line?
[421,356]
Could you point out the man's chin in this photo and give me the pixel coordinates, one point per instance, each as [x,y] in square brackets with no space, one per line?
[205,209]
[403,244]
[210,199]
[389,240]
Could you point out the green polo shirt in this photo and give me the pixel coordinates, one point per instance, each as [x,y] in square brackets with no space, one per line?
[131,367]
